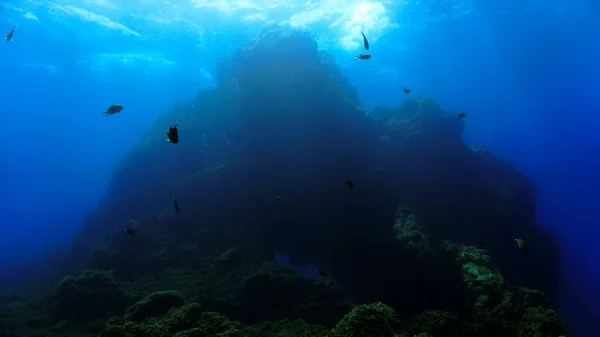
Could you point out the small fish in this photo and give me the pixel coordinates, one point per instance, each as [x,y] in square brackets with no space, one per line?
[175,205]
[130,232]
[406,90]
[363,56]
[349,183]
[113,109]
[462,115]
[322,272]
[521,244]
[279,198]
[173,134]
[9,36]
[365,42]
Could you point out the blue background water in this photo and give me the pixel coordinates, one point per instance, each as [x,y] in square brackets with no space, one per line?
[527,72]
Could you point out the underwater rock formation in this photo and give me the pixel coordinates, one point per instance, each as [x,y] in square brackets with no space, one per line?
[260,169]
[155,304]
[296,128]
[412,236]
[375,319]
[95,293]
[464,193]
[497,308]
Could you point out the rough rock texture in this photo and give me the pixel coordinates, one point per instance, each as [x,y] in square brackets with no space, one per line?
[436,323]
[496,308]
[299,307]
[153,305]
[296,128]
[283,121]
[95,293]
[369,320]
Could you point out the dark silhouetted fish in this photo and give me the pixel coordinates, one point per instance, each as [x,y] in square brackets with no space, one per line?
[113,109]
[365,41]
[9,36]
[349,183]
[175,205]
[173,134]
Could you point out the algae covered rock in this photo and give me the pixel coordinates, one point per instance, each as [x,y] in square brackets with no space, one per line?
[479,274]
[365,320]
[296,328]
[184,321]
[153,305]
[423,334]
[541,322]
[409,233]
[95,293]
[260,291]
[436,323]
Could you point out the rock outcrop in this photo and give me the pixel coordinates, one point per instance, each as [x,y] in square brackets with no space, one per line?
[260,169]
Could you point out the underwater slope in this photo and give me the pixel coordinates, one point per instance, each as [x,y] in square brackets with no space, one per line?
[261,164]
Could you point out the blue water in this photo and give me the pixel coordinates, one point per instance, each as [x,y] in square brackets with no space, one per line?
[528,73]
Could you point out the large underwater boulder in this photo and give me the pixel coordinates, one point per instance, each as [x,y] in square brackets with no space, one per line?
[94,293]
[261,163]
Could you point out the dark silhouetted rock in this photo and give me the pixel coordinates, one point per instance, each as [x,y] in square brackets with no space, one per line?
[436,323]
[284,121]
[369,320]
[153,305]
[95,293]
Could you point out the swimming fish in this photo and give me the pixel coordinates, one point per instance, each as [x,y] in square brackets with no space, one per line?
[462,115]
[349,183]
[406,90]
[9,36]
[279,198]
[130,232]
[365,42]
[521,244]
[113,109]
[363,56]
[175,205]
[173,134]
[322,272]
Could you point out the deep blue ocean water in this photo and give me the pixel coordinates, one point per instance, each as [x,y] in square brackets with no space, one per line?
[528,73]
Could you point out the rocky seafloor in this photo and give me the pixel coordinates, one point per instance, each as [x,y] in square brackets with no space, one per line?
[422,246]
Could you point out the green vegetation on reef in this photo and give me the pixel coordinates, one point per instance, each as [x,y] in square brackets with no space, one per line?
[412,236]
[496,308]
[375,319]
[418,244]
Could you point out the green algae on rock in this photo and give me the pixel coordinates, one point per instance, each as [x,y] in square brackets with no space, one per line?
[541,322]
[153,305]
[366,320]
[499,309]
[479,274]
[408,232]
[436,323]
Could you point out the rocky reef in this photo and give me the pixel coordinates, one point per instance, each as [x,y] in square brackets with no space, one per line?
[415,249]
